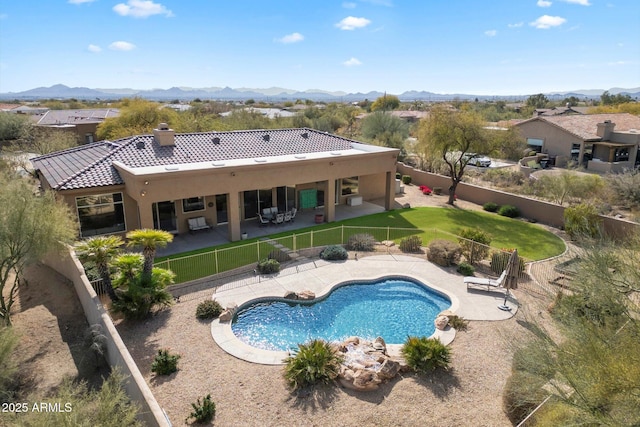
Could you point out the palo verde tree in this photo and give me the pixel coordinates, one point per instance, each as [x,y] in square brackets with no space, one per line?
[385,103]
[137,117]
[450,135]
[385,129]
[31,225]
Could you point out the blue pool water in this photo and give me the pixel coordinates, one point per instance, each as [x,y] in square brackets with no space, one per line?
[391,308]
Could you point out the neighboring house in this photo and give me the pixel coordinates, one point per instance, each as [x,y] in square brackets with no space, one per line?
[271,113]
[600,142]
[162,180]
[83,123]
[559,111]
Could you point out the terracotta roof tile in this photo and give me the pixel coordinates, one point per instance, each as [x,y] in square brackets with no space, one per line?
[91,165]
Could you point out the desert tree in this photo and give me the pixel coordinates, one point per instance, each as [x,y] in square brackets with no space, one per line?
[450,135]
[31,225]
[385,129]
[385,103]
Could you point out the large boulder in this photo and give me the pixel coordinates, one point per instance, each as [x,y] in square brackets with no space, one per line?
[441,322]
[306,295]
[366,364]
[388,369]
[290,295]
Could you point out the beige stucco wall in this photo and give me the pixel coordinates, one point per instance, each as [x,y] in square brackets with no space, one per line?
[541,211]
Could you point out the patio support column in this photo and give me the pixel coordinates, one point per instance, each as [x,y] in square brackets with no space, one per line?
[390,190]
[330,200]
[234,215]
[145,214]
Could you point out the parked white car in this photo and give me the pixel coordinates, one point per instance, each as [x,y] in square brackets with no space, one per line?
[479,160]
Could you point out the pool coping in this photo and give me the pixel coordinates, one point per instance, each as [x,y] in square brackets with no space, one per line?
[223,335]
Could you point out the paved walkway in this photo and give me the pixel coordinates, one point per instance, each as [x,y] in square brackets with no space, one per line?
[471,305]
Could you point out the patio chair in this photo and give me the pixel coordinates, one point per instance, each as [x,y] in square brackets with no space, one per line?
[274,211]
[488,283]
[293,214]
[263,221]
[279,219]
[266,212]
[287,216]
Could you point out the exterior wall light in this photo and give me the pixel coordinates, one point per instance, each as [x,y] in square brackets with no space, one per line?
[143,193]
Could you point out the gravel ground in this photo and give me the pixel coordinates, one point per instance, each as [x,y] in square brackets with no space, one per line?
[469,394]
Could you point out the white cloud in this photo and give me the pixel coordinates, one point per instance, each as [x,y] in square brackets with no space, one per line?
[94,48]
[580,2]
[81,1]
[352,62]
[351,23]
[120,45]
[291,38]
[349,5]
[545,22]
[543,3]
[516,25]
[490,33]
[141,9]
[387,3]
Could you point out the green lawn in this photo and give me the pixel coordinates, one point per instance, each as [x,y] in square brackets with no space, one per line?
[532,241]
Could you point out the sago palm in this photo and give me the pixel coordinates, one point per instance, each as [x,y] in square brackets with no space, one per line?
[150,240]
[101,250]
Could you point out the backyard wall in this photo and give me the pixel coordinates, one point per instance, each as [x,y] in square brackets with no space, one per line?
[538,210]
[67,264]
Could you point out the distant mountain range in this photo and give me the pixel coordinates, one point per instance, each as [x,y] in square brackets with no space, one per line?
[275,94]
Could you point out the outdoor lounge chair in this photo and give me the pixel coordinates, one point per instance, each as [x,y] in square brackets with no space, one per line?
[287,216]
[279,219]
[485,282]
[263,221]
[293,214]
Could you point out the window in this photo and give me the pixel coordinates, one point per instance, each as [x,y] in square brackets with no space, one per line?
[349,186]
[88,138]
[575,151]
[193,204]
[621,155]
[100,214]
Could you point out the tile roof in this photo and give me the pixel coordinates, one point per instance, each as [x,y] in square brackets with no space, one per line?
[65,117]
[585,126]
[91,165]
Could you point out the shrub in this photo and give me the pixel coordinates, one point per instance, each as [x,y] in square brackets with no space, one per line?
[334,253]
[582,221]
[165,363]
[474,244]
[444,252]
[411,244]
[522,393]
[466,269]
[209,309]
[204,411]
[490,207]
[406,179]
[268,266]
[509,211]
[315,361]
[437,191]
[425,354]
[425,190]
[458,323]
[137,299]
[626,187]
[361,242]
[499,261]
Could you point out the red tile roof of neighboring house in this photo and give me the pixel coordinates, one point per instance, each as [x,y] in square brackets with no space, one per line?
[91,165]
[585,126]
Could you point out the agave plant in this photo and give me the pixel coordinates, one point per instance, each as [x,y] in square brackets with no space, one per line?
[316,361]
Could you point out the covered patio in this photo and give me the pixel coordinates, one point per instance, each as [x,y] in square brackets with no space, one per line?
[304,218]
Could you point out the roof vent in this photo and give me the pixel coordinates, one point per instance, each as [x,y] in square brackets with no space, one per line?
[266,137]
[140,145]
[216,140]
[305,135]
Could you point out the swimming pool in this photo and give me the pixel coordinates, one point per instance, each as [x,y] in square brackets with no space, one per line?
[391,307]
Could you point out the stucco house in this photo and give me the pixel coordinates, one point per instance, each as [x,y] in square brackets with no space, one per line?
[163,179]
[600,142]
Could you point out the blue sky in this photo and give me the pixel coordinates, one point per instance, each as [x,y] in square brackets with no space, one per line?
[496,47]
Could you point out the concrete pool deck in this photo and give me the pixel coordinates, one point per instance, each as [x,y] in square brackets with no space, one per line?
[470,305]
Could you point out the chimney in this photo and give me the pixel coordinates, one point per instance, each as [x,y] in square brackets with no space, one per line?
[163,135]
[605,130]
